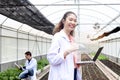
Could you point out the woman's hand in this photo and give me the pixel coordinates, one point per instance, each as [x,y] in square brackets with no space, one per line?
[77,65]
[73,47]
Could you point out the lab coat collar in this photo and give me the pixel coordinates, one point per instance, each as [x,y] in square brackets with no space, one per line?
[64,35]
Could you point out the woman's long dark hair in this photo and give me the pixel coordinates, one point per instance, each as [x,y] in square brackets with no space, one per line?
[60,25]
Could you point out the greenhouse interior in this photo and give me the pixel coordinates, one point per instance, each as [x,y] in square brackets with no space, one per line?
[27,25]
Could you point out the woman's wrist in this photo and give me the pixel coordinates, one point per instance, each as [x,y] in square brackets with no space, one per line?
[66,53]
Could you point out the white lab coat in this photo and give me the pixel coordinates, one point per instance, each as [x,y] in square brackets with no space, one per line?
[60,68]
[32,65]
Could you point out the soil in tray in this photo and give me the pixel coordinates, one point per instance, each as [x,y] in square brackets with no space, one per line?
[91,71]
[113,66]
[45,77]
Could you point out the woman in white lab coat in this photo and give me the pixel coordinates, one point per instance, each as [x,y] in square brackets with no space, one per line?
[61,53]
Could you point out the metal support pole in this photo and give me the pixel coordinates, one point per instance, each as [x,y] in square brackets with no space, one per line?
[0,46]
[17,40]
[29,39]
[78,18]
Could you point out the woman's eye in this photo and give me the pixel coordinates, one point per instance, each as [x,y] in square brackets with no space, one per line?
[73,20]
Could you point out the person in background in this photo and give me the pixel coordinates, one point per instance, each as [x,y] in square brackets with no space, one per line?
[61,53]
[30,67]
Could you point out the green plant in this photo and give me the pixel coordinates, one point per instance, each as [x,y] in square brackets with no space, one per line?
[13,73]
[42,63]
[10,74]
[100,57]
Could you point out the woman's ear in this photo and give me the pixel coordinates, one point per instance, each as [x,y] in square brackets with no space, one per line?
[63,20]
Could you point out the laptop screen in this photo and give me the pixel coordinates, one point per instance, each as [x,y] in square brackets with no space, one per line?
[97,53]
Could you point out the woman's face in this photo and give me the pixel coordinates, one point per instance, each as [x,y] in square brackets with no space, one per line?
[70,22]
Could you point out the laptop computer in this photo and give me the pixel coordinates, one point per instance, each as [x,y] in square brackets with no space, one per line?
[94,58]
